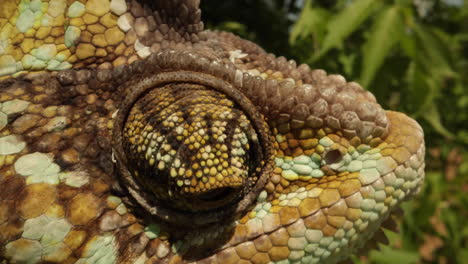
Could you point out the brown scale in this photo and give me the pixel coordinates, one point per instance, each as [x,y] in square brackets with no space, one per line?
[64,145]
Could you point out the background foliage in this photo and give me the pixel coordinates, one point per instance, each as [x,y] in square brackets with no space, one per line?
[413,55]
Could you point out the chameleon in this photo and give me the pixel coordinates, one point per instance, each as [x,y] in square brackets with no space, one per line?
[129,134]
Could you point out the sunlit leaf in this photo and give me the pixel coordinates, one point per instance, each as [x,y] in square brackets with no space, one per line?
[407,41]
[424,89]
[311,21]
[348,62]
[384,35]
[432,53]
[420,91]
[345,23]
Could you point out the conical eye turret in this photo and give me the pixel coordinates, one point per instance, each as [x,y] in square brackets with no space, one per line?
[190,146]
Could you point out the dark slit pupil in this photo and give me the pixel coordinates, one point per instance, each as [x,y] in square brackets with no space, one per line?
[333,156]
[215,194]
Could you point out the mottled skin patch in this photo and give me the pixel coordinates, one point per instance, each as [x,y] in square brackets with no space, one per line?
[267,162]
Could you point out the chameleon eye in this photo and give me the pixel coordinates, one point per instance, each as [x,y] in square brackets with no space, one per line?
[333,156]
[190,148]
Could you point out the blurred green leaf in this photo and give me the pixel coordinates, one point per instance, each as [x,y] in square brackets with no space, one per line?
[463,136]
[421,87]
[436,183]
[431,52]
[433,117]
[388,255]
[345,23]
[348,62]
[233,26]
[383,37]
[312,21]
[424,89]
[463,255]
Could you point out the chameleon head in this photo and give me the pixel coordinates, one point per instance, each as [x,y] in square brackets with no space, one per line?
[312,170]
[232,154]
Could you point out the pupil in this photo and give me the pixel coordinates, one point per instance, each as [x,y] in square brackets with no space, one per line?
[333,156]
[216,194]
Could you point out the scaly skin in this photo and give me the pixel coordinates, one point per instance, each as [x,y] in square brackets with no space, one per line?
[307,167]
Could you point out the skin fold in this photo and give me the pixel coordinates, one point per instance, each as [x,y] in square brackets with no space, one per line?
[129,134]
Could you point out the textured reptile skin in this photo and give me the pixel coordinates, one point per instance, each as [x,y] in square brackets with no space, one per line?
[128,134]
